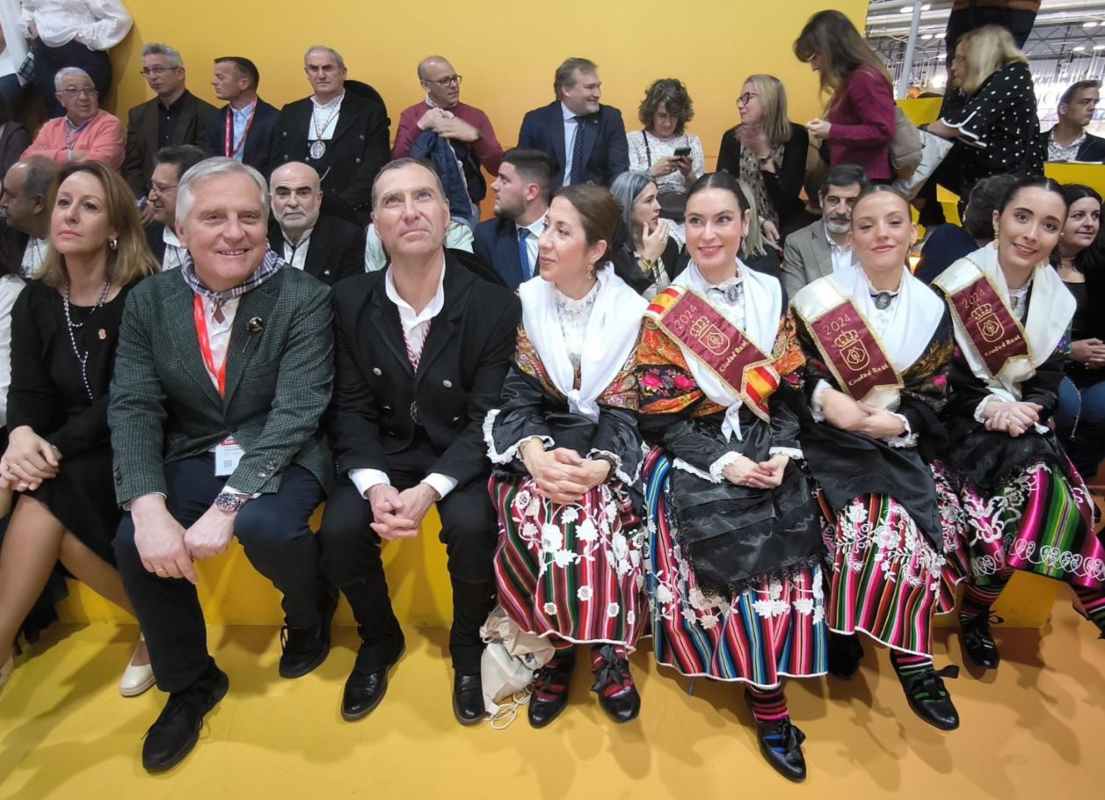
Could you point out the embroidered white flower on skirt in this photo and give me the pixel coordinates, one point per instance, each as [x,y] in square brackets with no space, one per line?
[620,546]
[552,538]
[613,609]
[521,500]
[887,538]
[569,514]
[635,557]
[697,599]
[611,510]
[584,593]
[664,594]
[564,558]
[586,531]
[689,616]
[708,621]
[630,617]
[623,567]
[550,609]
[804,606]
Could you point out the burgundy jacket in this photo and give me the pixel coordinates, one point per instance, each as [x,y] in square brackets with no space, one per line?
[862,118]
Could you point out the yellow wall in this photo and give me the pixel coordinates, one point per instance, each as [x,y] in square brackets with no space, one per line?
[507,52]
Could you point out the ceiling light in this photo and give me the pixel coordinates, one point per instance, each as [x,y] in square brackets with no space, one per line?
[906,9]
[1089,24]
[1099,47]
[1079,48]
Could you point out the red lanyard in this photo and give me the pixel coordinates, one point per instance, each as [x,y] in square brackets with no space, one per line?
[228,139]
[205,346]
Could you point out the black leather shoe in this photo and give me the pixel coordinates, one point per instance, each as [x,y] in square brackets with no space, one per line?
[928,697]
[614,685]
[550,689]
[177,729]
[781,746]
[306,648]
[978,643]
[845,655]
[468,699]
[364,689]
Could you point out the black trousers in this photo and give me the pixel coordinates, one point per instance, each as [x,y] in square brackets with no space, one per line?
[272,528]
[48,60]
[351,561]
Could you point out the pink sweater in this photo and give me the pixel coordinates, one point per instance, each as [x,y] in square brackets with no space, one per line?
[102,139]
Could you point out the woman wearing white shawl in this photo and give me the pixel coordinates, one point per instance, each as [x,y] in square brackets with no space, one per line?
[1025,506]
[734,579]
[878,345]
[567,452]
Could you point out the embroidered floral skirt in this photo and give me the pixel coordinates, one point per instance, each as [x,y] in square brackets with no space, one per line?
[887,580]
[774,629]
[1040,522]
[570,572]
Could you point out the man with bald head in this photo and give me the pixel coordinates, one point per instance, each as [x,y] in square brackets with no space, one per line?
[467,128]
[328,247]
[25,204]
[341,130]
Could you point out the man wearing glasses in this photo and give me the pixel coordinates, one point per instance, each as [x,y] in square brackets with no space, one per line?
[175,116]
[467,128]
[86,132]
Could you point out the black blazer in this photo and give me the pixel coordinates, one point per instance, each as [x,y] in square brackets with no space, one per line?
[784,188]
[353,157]
[193,126]
[154,239]
[495,243]
[335,251]
[1092,148]
[460,374]
[258,147]
[605,150]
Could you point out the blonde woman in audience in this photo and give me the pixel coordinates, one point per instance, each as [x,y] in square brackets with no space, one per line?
[58,459]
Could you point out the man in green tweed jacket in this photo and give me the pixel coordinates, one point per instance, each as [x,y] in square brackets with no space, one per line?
[224,369]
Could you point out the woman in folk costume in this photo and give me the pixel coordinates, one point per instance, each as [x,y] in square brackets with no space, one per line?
[1025,506]
[567,453]
[734,582]
[878,344]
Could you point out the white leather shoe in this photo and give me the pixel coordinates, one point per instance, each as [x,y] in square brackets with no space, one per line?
[6,670]
[136,679]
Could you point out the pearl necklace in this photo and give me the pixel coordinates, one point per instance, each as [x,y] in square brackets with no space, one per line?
[71,326]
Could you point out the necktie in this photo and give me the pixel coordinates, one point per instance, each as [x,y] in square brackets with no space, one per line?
[579,171]
[523,254]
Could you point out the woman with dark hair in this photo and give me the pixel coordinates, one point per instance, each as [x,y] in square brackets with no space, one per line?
[947,243]
[645,254]
[1080,417]
[1024,506]
[859,122]
[877,344]
[567,454]
[734,579]
[58,459]
[663,148]
[768,152]
[997,130]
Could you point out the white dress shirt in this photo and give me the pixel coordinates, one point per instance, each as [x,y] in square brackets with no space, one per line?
[218,334]
[33,258]
[296,254]
[12,56]
[844,259]
[324,119]
[97,24]
[10,287]
[175,252]
[416,327]
[571,130]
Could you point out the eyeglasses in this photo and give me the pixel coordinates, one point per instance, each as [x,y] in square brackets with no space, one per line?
[162,188]
[89,92]
[153,72]
[746,98]
[447,81]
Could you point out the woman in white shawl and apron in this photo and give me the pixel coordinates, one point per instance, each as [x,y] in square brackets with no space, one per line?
[878,344]
[566,451]
[733,575]
[1025,505]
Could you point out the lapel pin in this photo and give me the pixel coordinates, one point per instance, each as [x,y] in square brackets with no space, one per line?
[255,325]
[102,334]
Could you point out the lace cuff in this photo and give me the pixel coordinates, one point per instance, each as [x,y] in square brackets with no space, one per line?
[512,452]
[907,438]
[793,453]
[817,400]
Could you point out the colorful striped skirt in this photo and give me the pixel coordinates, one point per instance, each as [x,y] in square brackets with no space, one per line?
[774,629]
[887,579]
[1040,522]
[570,572]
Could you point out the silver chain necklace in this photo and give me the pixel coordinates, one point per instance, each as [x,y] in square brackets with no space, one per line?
[71,326]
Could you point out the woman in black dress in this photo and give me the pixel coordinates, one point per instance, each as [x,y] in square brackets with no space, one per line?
[645,253]
[58,460]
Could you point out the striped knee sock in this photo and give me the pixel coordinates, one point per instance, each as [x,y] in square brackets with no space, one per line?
[1093,602]
[907,664]
[768,706]
[977,600]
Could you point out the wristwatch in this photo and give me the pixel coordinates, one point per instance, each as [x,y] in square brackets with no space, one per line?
[230,502]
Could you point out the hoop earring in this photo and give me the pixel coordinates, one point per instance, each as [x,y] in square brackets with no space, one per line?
[113,244]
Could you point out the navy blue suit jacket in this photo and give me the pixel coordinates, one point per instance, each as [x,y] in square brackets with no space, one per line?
[258,140]
[605,151]
[496,244]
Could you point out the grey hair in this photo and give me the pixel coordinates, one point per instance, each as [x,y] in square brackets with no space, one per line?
[321,48]
[65,72]
[159,49]
[626,188]
[753,244]
[209,168]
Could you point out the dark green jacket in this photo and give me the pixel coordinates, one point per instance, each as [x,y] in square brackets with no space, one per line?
[280,371]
